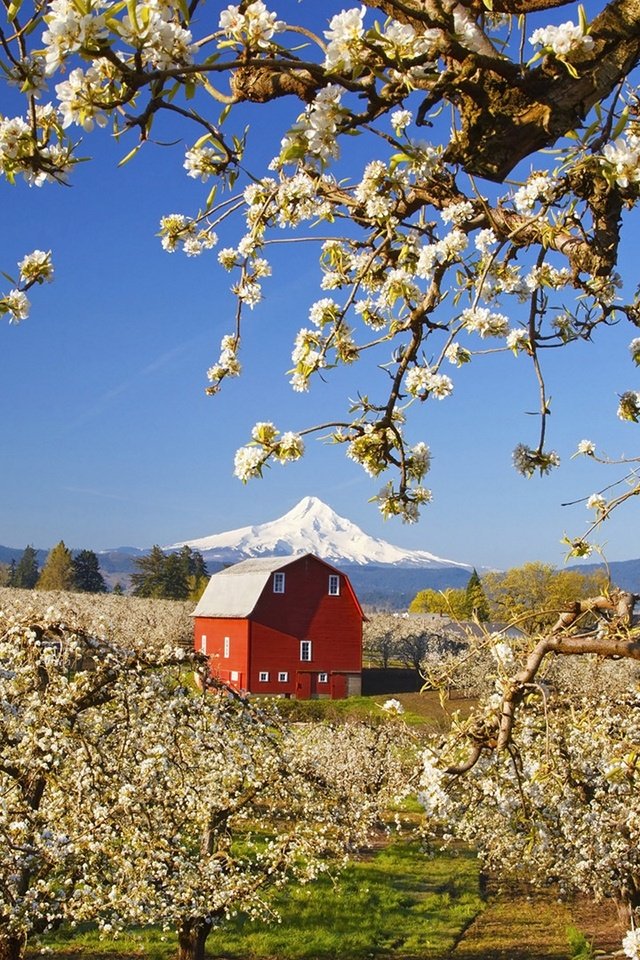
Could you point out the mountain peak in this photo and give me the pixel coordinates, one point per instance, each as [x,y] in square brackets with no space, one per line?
[311,526]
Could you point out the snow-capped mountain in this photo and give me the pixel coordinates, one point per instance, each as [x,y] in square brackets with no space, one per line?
[311,527]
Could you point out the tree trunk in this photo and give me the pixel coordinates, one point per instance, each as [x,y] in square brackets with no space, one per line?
[192,936]
[12,946]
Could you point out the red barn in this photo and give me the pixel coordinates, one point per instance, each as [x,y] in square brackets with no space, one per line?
[288,626]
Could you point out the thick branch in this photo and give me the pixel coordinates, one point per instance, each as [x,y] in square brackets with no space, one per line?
[619,644]
[504,120]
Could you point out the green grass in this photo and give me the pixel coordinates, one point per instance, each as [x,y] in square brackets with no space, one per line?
[396,901]
[421,709]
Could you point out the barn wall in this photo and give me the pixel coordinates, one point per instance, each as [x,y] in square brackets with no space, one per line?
[305,611]
[234,668]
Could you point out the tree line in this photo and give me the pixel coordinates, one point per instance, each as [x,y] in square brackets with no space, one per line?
[172,576]
[531,596]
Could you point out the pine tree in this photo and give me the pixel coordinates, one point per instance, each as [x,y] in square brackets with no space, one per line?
[476,600]
[26,571]
[166,576]
[176,581]
[117,589]
[149,580]
[86,573]
[57,573]
[195,571]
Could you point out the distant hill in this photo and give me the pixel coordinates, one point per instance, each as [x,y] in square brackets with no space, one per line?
[624,573]
[393,588]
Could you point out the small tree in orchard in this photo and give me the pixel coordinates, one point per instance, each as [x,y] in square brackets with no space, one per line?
[543,776]
[380,638]
[58,570]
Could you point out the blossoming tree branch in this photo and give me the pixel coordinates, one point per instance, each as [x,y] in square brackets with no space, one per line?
[445,247]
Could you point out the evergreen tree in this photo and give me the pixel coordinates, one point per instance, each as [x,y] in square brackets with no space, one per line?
[477,603]
[57,573]
[26,571]
[117,589]
[176,584]
[11,582]
[168,576]
[196,572]
[86,573]
[149,580]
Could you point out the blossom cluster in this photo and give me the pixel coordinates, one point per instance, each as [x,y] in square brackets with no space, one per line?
[177,230]
[566,41]
[253,26]
[267,443]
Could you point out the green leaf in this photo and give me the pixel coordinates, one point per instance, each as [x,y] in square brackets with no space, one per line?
[621,124]
[582,19]
[224,113]
[130,155]
[14,9]
[211,196]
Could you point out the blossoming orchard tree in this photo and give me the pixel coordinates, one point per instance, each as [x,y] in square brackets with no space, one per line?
[126,796]
[428,257]
[543,777]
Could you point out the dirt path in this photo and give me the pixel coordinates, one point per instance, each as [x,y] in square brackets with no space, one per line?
[525,925]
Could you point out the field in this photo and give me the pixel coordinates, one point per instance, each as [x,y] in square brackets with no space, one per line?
[396,902]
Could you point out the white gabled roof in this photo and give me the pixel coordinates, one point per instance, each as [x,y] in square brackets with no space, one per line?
[235,591]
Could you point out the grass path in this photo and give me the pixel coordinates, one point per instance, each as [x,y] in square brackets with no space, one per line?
[516,925]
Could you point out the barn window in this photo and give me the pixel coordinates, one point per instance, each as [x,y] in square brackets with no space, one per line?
[235,676]
[323,678]
[334,585]
[278,583]
[283,676]
[305,650]
[226,647]
[263,676]
[203,643]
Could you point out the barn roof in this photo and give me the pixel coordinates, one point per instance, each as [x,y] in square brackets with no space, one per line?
[234,592]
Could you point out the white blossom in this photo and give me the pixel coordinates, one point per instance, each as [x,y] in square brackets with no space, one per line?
[565,40]
[586,448]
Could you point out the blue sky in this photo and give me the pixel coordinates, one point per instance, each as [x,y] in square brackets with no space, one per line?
[108,438]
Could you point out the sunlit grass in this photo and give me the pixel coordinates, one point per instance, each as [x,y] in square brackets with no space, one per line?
[395,902]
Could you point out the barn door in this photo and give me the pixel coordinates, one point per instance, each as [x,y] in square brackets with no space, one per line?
[303,686]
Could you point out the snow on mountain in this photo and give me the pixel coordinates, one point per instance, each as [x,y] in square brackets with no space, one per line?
[310,527]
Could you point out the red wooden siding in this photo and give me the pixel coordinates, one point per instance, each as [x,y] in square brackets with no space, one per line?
[268,642]
[215,630]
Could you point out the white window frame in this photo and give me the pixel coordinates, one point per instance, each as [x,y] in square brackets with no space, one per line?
[323,678]
[283,677]
[203,643]
[225,648]
[235,676]
[263,676]
[334,585]
[278,582]
[305,651]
